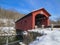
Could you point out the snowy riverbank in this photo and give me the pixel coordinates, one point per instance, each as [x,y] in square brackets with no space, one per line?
[49,37]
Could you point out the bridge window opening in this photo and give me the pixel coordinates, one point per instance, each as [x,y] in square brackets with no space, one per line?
[39,20]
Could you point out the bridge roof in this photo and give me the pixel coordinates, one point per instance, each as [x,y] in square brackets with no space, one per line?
[31,14]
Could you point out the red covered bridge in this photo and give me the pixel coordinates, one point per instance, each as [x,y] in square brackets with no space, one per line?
[38,17]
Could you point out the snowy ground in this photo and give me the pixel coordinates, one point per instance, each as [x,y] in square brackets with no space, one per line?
[50,37]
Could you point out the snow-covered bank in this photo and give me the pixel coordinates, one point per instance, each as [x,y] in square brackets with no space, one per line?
[49,37]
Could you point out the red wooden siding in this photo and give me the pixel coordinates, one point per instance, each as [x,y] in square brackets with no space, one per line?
[25,23]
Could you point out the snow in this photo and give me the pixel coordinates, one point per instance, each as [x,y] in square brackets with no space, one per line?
[21,43]
[7,28]
[6,20]
[49,37]
[25,33]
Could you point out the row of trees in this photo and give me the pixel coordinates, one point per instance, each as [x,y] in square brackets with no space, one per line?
[10,14]
[57,21]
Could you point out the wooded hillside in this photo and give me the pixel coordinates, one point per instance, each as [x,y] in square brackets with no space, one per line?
[10,14]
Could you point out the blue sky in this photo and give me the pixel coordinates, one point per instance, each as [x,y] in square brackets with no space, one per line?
[27,6]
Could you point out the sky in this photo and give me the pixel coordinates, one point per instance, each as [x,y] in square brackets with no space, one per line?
[27,6]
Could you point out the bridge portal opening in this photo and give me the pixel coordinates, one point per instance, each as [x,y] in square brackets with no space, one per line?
[40,20]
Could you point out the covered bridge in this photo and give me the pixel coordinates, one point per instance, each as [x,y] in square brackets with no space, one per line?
[35,18]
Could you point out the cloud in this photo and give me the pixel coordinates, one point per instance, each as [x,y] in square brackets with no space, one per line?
[23,11]
[54,17]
